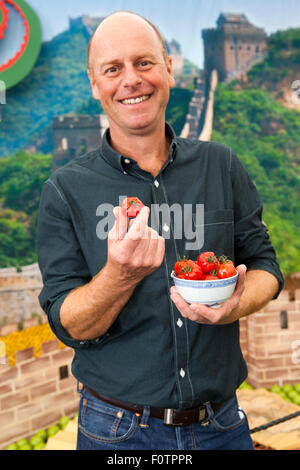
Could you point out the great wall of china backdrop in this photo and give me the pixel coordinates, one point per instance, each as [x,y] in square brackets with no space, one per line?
[36,383]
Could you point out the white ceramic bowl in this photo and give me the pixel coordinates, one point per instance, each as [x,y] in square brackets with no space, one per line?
[211,293]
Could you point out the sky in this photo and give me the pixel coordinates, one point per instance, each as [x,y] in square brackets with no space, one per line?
[182,20]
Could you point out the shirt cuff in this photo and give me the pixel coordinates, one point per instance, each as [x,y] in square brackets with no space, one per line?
[61,332]
[272,269]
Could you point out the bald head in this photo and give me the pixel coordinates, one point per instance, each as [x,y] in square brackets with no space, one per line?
[114,20]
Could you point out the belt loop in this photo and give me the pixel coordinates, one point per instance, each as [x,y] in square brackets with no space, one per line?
[145,417]
[210,412]
[79,387]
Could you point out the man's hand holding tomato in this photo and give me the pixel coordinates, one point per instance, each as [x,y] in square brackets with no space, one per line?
[230,310]
[133,252]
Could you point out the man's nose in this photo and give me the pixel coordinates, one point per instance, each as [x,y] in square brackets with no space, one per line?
[131,76]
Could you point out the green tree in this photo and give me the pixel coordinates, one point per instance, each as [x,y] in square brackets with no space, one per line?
[21,178]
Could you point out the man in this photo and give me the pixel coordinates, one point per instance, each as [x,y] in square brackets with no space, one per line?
[156,372]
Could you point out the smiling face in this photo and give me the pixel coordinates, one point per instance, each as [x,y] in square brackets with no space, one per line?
[130,75]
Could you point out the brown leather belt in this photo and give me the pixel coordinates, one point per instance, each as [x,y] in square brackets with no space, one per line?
[171,416]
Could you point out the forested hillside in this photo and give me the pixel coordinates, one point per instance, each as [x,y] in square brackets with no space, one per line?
[21,178]
[266,137]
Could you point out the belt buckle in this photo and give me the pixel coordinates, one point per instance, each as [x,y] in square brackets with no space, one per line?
[168,416]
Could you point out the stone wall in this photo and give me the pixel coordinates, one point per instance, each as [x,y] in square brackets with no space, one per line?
[36,392]
[270,341]
[191,128]
[19,294]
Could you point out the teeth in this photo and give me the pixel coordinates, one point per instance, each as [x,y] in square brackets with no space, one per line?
[136,100]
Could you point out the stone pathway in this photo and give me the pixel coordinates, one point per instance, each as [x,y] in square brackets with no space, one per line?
[262,407]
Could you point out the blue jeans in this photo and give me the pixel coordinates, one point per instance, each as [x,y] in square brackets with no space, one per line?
[102,426]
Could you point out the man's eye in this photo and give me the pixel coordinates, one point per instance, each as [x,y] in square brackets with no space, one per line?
[145,63]
[112,70]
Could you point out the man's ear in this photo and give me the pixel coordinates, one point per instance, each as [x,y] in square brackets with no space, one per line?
[170,73]
[94,87]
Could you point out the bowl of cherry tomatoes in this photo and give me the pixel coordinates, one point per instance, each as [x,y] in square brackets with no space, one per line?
[209,280]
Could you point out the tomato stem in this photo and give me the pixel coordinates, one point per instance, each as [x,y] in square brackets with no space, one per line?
[223,259]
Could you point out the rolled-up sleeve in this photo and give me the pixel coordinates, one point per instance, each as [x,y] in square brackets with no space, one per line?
[253,245]
[60,259]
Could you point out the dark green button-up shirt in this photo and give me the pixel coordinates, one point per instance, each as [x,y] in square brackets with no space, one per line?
[151,354]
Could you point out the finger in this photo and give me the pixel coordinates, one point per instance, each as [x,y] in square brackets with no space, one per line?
[139,226]
[119,229]
[147,244]
[196,312]
[181,304]
[179,301]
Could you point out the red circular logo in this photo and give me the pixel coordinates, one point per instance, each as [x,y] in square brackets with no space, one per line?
[3,26]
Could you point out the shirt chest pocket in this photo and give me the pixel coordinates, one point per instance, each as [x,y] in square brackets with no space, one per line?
[214,232]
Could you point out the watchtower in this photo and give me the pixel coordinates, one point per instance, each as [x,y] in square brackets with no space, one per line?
[74,136]
[233,47]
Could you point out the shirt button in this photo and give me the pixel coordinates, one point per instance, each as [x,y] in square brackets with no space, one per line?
[126,160]
[179,323]
[165,228]
[156,183]
[182,373]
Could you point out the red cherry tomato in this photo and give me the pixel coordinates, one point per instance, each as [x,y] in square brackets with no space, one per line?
[226,267]
[131,206]
[193,273]
[209,277]
[207,261]
[182,264]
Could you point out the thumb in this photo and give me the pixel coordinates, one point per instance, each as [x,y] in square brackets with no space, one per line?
[241,269]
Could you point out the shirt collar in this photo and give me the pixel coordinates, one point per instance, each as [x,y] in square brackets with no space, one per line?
[117,160]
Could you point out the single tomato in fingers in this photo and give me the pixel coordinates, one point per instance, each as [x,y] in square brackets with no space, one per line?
[131,206]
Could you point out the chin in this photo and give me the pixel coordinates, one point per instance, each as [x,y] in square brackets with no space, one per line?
[139,125]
